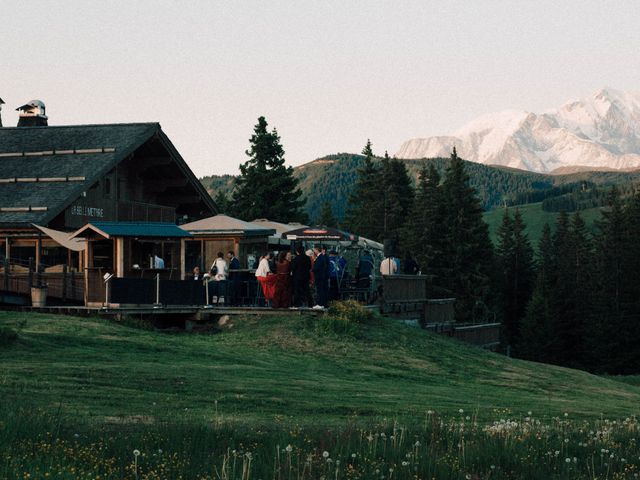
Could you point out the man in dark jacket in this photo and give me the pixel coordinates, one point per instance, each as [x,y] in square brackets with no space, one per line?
[300,273]
[234,278]
[321,276]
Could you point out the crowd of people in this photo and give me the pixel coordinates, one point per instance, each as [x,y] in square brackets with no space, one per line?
[311,278]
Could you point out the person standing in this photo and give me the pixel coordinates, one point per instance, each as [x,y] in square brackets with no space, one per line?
[388,266]
[282,295]
[300,276]
[364,270]
[321,276]
[219,271]
[234,278]
[264,277]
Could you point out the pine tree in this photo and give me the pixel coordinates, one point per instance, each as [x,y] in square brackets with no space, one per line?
[266,188]
[468,250]
[363,216]
[222,202]
[538,334]
[515,258]
[424,227]
[326,218]
[396,197]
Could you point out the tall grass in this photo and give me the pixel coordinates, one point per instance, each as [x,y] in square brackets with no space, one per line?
[37,444]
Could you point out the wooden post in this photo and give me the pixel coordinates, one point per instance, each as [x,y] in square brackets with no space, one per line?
[183,258]
[38,253]
[119,257]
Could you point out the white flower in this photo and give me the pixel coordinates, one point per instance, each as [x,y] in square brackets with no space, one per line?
[370,437]
[461,411]
[353,455]
[493,467]
[566,440]
[404,464]
[417,444]
[160,451]
[529,413]
[325,454]
[566,414]
[467,417]
[136,452]
[337,462]
[567,460]
[429,412]
[289,448]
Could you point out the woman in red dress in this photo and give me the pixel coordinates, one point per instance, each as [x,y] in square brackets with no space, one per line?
[282,296]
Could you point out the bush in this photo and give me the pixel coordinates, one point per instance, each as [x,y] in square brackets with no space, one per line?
[350,311]
[343,318]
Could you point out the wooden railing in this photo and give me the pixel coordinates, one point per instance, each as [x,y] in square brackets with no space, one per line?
[63,285]
[147,212]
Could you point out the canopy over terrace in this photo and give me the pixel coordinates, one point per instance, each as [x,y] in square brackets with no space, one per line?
[131,249]
[222,233]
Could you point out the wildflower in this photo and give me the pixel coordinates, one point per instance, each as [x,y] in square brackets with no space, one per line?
[370,437]
[405,463]
[353,455]
[337,463]
[467,417]
[136,452]
[566,440]
[417,444]
[289,448]
[493,467]
[325,454]
[529,413]
[461,411]
[566,414]
[429,412]
[468,476]
[160,451]
[567,460]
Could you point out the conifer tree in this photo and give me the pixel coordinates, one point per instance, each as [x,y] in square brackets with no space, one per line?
[326,218]
[266,188]
[515,258]
[468,251]
[222,202]
[361,217]
[424,227]
[538,331]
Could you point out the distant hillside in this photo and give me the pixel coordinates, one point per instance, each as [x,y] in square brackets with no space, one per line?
[535,217]
[331,178]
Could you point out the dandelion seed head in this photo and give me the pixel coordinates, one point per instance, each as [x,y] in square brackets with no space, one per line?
[136,452]
[325,454]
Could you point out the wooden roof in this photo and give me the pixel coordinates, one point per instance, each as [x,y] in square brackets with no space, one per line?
[44,169]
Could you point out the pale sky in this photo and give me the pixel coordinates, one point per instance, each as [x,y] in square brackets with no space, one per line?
[327,74]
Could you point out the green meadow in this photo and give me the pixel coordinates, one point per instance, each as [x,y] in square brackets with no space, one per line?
[267,397]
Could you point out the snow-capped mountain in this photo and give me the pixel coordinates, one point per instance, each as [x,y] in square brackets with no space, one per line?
[600,131]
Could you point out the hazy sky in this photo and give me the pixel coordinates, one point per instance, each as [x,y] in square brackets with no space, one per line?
[327,74]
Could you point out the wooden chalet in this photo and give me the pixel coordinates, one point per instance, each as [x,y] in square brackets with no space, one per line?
[122,188]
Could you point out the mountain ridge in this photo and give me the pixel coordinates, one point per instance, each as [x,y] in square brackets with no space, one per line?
[598,131]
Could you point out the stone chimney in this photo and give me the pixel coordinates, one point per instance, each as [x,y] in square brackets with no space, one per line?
[32,114]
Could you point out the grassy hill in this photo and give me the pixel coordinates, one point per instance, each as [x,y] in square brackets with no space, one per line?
[535,218]
[331,179]
[286,398]
[280,369]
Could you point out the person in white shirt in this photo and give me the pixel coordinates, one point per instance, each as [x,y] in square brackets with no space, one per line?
[263,267]
[220,267]
[388,266]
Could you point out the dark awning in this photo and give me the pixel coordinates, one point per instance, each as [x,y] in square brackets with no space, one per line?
[132,229]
